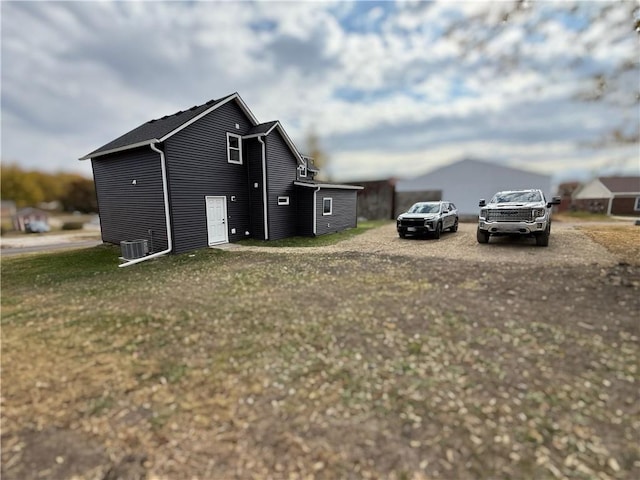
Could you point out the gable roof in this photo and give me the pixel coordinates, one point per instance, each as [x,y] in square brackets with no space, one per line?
[158,130]
[621,184]
[262,129]
[266,128]
[311,164]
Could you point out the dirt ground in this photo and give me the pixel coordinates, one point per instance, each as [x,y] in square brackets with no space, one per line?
[378,357]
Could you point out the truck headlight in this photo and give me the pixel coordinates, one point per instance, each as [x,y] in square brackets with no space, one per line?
[538,212]
[483,213]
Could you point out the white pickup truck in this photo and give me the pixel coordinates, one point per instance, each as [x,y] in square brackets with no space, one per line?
[516,212]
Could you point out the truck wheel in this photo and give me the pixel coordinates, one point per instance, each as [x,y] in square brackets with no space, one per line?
[542,239]
[402,234]
[438,231]
[482,236]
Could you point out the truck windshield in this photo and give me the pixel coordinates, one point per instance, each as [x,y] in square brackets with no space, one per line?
[521,197]
[425,208]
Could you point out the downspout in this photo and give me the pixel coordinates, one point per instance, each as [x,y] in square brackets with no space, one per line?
[315,212]
[165,193]
[264,189]
[609,207]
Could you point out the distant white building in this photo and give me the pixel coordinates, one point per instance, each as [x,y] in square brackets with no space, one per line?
[467,181]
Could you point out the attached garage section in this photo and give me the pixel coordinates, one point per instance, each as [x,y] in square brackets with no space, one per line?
[334,207]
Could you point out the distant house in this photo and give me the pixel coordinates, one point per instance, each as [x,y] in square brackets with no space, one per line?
[609,195]
[467,181]
[209,175]
[25,216]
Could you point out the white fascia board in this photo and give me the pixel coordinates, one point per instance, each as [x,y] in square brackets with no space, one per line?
[286,137]
[120,149]
[328,185]
[235,96]
[288,140]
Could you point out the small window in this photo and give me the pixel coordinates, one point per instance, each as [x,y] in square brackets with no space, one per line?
[234,148]
[637,205]
[303,168]
[283,200]
[327,206]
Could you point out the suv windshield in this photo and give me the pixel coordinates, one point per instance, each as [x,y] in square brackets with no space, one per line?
[425,208]
[522,197]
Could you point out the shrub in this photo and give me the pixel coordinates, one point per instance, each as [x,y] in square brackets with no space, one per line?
[72,225]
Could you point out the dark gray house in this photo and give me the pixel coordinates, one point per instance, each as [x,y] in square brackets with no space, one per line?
[212,174]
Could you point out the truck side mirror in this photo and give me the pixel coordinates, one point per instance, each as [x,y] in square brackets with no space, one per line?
[554,201]
[482,203]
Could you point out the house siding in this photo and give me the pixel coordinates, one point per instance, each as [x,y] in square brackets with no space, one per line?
[128,211]
[304,205]
[592,190]
[344,214]
[281,173]
[198,167]
[624,205]
[253,156]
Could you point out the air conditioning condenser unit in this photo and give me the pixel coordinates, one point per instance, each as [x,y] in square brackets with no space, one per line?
[132,249]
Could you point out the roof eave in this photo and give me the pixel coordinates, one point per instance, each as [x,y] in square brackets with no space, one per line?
[119,149]
[234,96]
[328,185]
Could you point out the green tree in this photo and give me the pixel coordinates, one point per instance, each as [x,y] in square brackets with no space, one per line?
[80,195]
[20,186]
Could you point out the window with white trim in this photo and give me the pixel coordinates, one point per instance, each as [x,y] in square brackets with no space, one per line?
[283,200]
[327,206]
[637,205]
[303,168]
[234,148]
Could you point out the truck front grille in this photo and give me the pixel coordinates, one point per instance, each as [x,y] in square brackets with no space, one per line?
[510,215]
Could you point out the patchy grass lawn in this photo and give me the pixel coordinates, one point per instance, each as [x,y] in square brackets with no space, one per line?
[257,365]
[622,240]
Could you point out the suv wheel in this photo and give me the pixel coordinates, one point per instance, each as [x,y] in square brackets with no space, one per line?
[455,226]
[438,230]
[482,236]
[542,239]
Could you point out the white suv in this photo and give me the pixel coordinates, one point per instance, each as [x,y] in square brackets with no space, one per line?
[516,212]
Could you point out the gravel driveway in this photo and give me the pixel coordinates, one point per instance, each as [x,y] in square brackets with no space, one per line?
[567,246]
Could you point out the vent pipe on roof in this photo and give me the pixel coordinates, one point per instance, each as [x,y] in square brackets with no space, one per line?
[165,193]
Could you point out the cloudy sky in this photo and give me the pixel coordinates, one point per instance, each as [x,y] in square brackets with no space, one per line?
[390,88]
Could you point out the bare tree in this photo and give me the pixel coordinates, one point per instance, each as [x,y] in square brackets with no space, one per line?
[319,156]
[592,23]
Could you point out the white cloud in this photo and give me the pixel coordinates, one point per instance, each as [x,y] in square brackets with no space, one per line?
[387,92]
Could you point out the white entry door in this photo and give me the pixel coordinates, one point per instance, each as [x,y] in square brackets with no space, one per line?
[217,220]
